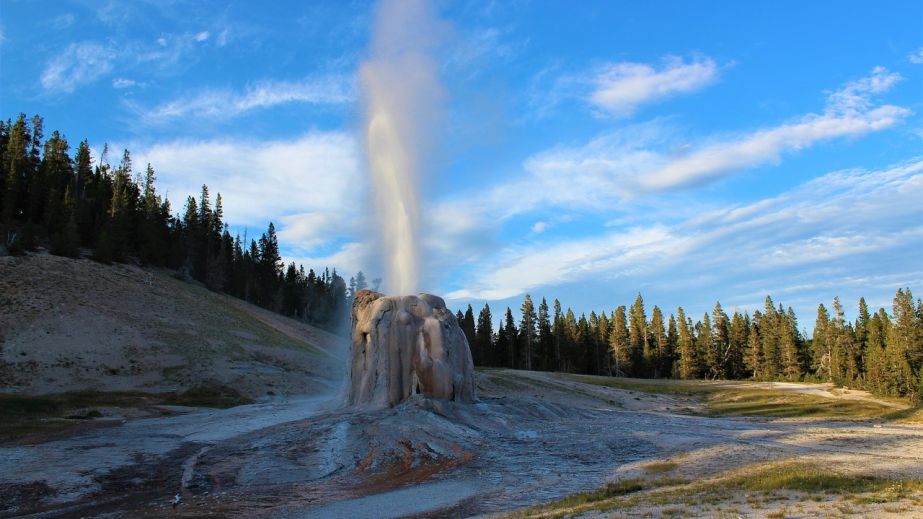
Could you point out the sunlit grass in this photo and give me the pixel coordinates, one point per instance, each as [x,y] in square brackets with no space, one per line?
[758,485]
[718,399]
[787,404]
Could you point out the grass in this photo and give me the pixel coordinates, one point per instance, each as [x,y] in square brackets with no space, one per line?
[804,477]
[582,499]
[22,415]
[661,386]
[780,483]
[658,467]
[787,404]
[718,399]
[912,415]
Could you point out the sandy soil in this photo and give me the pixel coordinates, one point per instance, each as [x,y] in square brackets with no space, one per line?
[70,325]
[532,438]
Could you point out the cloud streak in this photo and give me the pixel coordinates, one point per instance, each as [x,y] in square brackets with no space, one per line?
[227,104]
[80,63]
[649,158]
[622,88]
[819,223]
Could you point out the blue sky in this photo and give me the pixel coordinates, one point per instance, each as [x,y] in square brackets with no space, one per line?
[692,151]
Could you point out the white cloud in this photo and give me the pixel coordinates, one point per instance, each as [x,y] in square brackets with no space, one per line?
[916,57]
[222,38]
[347,259]
[80,63]
[121,82]
[621,88]
[815,225]
[262,181]
[850,112]
[539,227]
[226,104]
[650,158]
[201,36]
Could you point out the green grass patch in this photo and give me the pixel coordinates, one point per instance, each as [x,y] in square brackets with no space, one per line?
[643,385]
[658,467]
[221,397]
[757,485]
[788,404]
[911,415]
[22,415]
[718,399]
[804,477]
[583,500]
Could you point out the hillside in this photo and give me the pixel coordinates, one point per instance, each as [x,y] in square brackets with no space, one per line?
[71,325]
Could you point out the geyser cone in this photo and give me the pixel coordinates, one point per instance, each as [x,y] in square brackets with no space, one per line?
[404,345]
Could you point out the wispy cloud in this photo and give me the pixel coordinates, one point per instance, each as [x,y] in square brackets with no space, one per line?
[916,57]
[121,82]
[227,104]
[850,112]
[818,223]
[651,157]
[80,63]
[618,89]
[621,88]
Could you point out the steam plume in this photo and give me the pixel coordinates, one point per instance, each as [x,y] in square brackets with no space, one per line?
[401,95]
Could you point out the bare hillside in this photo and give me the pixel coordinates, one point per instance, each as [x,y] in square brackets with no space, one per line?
[70,325]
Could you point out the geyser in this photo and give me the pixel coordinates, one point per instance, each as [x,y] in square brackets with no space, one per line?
[405,345]
[400,93]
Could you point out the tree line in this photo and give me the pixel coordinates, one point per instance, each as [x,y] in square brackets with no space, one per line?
[68,203]
[880,352]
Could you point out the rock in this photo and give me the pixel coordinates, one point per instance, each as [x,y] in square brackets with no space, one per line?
[405,345]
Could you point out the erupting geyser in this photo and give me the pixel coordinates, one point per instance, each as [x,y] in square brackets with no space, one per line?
[405,345]
[400,94]
[402,345]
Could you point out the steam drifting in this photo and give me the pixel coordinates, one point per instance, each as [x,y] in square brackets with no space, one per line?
[401,95]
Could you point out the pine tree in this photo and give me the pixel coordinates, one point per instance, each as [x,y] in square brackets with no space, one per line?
[687,363]
[620,345]
[527,331]
[875,353]
[467,323]
[557,331]
[18,169]
[717,355]
[545,338]
[484,338]
[660,345]
[753,358]
[820,347]
[904,348]
[672,342]
[641,352]
[790,346]
[512,343]
[705,346]
[737,344]
[769,333]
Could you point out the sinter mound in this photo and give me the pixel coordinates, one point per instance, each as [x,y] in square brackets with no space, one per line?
[404,345]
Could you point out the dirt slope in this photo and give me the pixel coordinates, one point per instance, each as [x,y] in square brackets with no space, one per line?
[70,325]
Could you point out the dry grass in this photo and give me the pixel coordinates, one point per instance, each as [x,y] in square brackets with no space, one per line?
[658,467]
[786,404]
[778,484]
[718,399]
[21,416]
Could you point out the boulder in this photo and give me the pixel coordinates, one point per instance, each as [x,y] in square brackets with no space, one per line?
[406,345]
